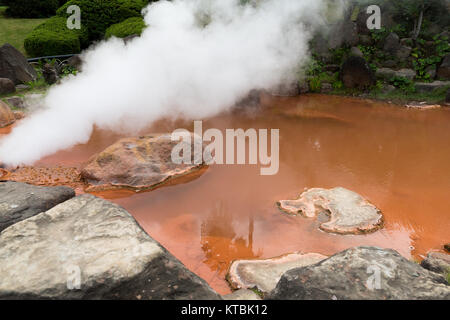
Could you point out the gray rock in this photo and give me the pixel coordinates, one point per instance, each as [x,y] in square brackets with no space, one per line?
[265,274]
[437,262]
[403,52]
[388,88]
[423,87]
[444,69]
[303,87]
[431,72]
[406,73]
[89,248]
[388,74]
[349,212]
[50,74]
[385,73]
[7,86]
[355,51]
[326,87]
[407,42]
[391,43]
[366,273]
[356,73]
[242,294]
[14,66]
[332,68]
[20,201]
[389,64]
[16,102]
[22,87]
[75,62]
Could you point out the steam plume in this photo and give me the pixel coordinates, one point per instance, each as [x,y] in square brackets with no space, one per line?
[195,59]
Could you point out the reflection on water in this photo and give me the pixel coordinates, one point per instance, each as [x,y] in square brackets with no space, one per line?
[219,240]
[397,158]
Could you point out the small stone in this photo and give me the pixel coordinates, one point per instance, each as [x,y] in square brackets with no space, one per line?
[15,102]
[355,51]
[265,274]
[7,86]
[242,294]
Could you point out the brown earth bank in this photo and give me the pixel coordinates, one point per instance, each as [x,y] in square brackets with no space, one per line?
[396,158]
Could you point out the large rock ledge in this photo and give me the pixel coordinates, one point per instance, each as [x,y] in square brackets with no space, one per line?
[89,248]
[349,212]
[19,201]
[366,273]
[141,163]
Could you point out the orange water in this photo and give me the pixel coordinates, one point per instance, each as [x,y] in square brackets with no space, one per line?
[397,158]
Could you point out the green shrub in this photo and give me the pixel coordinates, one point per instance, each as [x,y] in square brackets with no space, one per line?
[126,28]
[98,15]
[32,8]
[54,38]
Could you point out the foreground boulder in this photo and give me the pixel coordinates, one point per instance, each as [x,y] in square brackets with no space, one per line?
[356,73]
[89,248]
[7,86]
[437,262]
[265,274]
[366,273]
[141,163]
[349,212]
[14,66]
[19,201]
[6,115]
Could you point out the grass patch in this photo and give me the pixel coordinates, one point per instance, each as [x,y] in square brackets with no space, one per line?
[14,31]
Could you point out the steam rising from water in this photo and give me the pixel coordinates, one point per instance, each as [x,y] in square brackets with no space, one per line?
[196,58]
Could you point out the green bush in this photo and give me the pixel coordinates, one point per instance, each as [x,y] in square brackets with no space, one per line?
[32,8]
[126,28]
[54,38]
[98,15]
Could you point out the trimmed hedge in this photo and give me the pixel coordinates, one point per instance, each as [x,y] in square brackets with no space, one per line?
[54,38]
[31,8]
[98,15]
[126,28]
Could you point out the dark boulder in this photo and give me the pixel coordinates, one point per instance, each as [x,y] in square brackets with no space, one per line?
[356,73]
[75,62]
[50,74]
[14,66]
[21,201]
[366,273]
[444,69]
[7,86]
[392,43]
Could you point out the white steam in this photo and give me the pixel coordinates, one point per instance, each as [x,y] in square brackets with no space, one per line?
[178,67]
